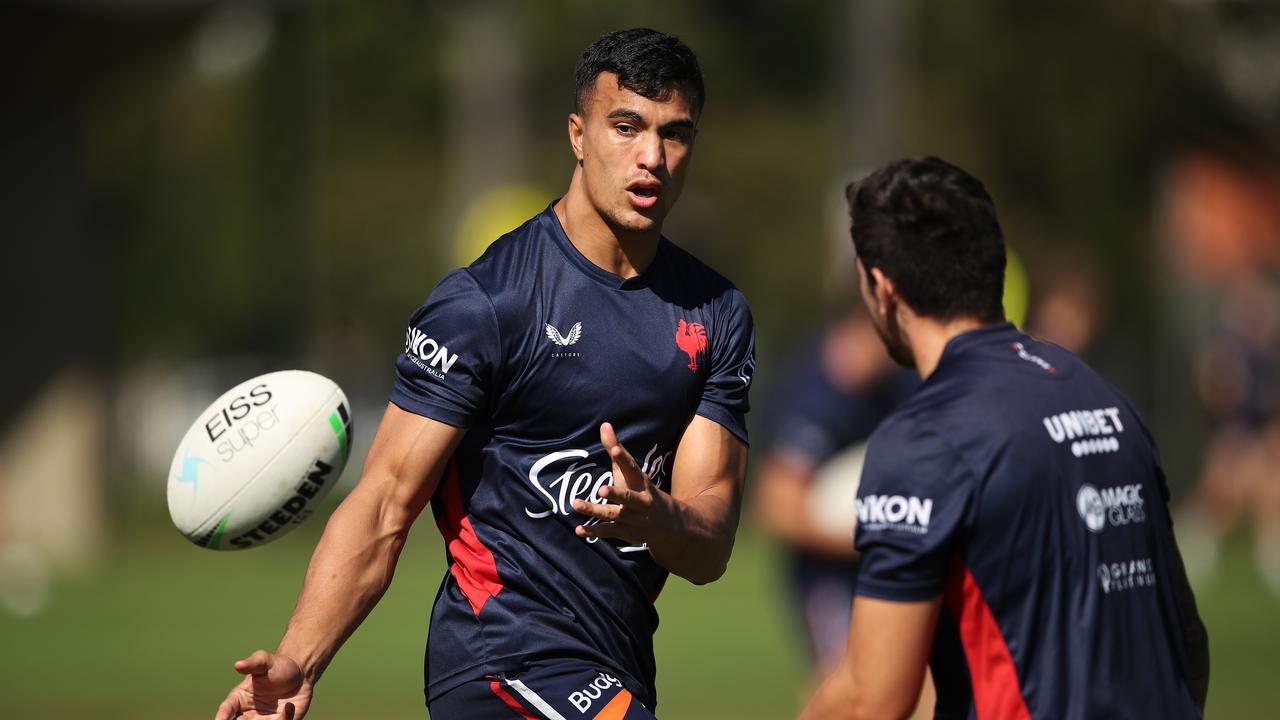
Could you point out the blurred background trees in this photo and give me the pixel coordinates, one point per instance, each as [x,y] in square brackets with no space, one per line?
[196,190]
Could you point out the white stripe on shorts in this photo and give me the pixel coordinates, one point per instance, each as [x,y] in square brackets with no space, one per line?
[536,701]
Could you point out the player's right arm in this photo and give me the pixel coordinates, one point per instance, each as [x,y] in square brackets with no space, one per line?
[443,380]
[351,567]
[906,561]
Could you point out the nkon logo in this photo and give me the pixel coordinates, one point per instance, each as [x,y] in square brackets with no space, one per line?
[692,339]
[427,354]
[895,512]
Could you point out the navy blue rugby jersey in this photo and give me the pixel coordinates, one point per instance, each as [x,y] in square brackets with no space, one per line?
[531,348]
[1024,489]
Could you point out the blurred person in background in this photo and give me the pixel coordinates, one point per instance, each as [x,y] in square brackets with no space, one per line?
[1221,218]
[1067,298]
[837,388]
[1016,487]
[1238,383]
[523,377]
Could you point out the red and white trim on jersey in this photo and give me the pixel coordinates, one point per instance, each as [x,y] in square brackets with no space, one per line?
[996,692]
[473,564]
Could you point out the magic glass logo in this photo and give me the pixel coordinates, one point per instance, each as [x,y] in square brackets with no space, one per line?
[1115,506]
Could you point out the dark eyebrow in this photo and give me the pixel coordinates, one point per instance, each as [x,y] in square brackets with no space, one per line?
[625,114]
[633,116]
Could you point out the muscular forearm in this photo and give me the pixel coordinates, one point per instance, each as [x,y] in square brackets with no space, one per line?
[834,700]
[838,698]
[350,570]
[698,539]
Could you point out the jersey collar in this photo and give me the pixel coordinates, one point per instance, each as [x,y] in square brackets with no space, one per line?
[979,336]
[590,269]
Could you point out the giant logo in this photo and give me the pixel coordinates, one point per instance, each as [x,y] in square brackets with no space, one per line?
[1131,575]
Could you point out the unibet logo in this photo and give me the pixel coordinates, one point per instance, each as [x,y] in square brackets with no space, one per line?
[1118,506]
[428,354]
[896,512]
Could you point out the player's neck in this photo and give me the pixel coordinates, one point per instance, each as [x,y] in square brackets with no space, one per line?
[929,337]
[621,253]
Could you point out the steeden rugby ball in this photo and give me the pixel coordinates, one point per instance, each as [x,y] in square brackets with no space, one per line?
[259,459]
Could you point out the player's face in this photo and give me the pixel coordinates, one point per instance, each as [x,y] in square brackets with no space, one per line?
[884,319]
[634,153]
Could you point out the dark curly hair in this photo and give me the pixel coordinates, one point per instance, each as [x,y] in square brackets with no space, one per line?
[931,228]
[647,62]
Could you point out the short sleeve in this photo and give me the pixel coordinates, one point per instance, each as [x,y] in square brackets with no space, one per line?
[725,395]
[914,508]
[451,354]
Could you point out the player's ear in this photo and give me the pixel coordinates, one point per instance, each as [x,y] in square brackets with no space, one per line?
[883,288]
[577,126]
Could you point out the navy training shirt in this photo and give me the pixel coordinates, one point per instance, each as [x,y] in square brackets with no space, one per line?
[531,348]
[1024,489]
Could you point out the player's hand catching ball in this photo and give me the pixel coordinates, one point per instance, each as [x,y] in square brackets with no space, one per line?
[634,509]
[273,689]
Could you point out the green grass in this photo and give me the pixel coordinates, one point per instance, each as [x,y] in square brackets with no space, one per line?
[153,632]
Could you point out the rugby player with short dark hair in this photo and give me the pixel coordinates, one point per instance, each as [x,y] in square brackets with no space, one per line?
[572,406]
[1013,518]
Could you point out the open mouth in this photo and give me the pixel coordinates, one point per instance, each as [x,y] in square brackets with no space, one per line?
[643,194]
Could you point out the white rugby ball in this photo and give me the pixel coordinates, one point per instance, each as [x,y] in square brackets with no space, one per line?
[834,495]
[259,459]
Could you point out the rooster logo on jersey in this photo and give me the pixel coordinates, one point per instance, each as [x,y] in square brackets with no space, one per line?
[692,339]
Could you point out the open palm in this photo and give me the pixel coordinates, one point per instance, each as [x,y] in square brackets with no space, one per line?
[273,689]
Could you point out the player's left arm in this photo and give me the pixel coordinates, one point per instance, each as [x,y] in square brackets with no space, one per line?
[690,530]
[883,666]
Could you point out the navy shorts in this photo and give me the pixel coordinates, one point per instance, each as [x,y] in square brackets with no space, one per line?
[554,690]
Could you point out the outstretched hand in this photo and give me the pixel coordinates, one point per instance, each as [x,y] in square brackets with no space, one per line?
[273,689]
[634,509]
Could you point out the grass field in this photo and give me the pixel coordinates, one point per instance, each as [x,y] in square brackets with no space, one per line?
[152,634]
